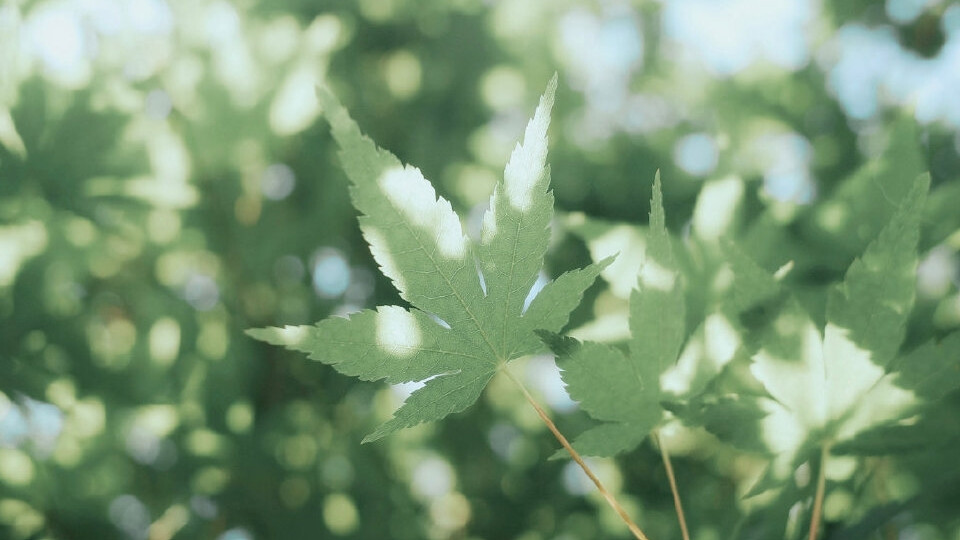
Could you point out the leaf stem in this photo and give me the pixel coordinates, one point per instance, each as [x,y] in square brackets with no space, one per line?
[821,488]
[611,500]
[673,486]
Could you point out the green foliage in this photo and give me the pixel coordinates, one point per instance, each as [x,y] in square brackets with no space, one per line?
[845,387]
[476,290]
[827,388]
[167,181]
[800,391]
[624,389]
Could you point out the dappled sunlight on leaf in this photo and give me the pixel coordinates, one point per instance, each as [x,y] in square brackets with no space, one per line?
[166,181]
[418,241]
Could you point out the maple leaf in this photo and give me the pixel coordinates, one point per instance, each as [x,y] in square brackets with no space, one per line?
[828,387]
[468,316]
[859,207]
[623,390]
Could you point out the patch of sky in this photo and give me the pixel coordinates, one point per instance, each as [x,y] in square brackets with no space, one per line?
[237,533]
[361,286]
[785,162]
[201,291]
[14,428]
[65,36]
[131,516]
[57,37]
[46,424]
[602,52]
[648,113]
[538,286]
[868,69]
[906,11]
[728,37]
[697,154]
[939,269]
[502,438]
[330,272]
[37,422]
[277,181]
[541,372]
[158,104]
[432,477]
[575,482]
[403,390]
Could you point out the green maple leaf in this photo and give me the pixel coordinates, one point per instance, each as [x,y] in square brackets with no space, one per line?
[623,389]
[467,318]
[859,207]
[828,387]
[627,391]
[930,373]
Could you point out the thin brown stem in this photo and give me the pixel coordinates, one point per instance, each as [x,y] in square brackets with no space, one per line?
[673,487]
[821,488]
[611,500]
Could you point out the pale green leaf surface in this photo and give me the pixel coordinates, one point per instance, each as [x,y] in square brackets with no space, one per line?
[736,292]
[790,365]
[657,314]
[601,378]
[733,418]
[625,389]
[605,239]
[391,343]
[741,293]
[937,426]
[440,396]
[931,370]
[418,242]
[919,378]
[611,438]
[875,298]
[516,228]
[749,284]
[867,313]
[863,203]
[831,387]
[552,306]
[415,238]
[940,217]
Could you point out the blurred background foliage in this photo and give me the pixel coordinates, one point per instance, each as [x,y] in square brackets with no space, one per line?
[165,183]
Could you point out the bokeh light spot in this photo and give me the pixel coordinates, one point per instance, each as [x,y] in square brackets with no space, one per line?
[164,341]
[331,273]
[237,533]
[131,516]
[503,87]
[158,104]
[277,181]
[403,73]
[340,514]
[432,477]
[201,292]
[696,154]
[240,417]
[336,472]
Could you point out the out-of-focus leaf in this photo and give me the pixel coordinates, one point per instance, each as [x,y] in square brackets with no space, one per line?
[624,390]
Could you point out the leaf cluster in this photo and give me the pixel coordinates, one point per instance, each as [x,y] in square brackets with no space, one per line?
[708,338]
